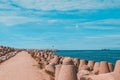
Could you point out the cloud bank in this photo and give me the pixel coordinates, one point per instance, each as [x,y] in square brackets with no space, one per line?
[60,4]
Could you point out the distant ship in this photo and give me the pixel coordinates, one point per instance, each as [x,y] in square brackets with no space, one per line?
[105,49]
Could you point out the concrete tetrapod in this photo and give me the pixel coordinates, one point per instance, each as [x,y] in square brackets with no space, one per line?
[91,64]
[117,67]
[50,67]
[55,60]
[67,61]
[67,72]
[96,68]
[116,72]
[57,70]
[111,67]
[76,62]
[103,67]
[82,62]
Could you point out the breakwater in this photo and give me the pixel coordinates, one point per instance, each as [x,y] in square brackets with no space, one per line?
[7,52]
[67,68]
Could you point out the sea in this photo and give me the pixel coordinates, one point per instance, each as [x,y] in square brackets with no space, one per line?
[96,55]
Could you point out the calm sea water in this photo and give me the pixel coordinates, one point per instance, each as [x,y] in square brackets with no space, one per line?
[96,55]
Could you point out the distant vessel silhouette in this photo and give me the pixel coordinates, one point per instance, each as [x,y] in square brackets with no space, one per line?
[105,49]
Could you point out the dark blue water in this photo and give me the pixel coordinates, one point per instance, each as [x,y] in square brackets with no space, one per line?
[96,55]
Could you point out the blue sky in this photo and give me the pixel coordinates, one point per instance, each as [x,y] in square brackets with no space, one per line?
[64,24]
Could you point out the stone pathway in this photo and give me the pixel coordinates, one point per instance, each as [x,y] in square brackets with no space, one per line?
[21,67]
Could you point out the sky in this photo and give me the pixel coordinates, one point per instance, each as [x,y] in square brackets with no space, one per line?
[60,24]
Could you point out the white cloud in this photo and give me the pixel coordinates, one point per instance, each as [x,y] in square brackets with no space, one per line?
[76,26]
[113,36]
[106,24]
[5,4]
[100,27]
[53,21]
[105,21]
[67,4]
[110,36]
[14,20]
[94,37]
[4,1]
